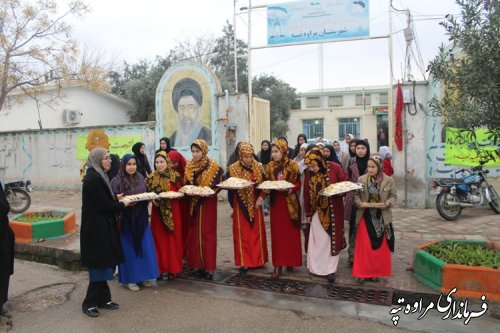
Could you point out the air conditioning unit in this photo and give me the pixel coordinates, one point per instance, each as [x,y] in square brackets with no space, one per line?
[72,117]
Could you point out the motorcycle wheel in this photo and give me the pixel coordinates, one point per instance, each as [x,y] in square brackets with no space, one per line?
[450,213]
[19,200]
[495,199]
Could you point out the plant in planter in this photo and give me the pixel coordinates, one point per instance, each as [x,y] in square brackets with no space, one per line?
[33,226]
[470,266]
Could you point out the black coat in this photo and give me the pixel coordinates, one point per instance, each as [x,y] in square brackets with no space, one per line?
[100,245]
[6,248]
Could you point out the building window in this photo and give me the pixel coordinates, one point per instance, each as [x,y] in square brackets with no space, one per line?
[337,100]
[383,99]
[363,99]
[313,128]
[349,126]
[313,102]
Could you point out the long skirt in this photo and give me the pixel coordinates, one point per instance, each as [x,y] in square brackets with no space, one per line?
[285,237]
[370,263]
[319,257]
[201,248]
[138,268]
[250,245]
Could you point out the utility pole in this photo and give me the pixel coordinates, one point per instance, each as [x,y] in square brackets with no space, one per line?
[249,60]
[235,51]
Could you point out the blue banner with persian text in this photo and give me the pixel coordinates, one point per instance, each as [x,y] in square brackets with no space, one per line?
[309,21]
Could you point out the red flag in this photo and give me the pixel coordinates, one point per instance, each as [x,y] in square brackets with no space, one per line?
[398,135]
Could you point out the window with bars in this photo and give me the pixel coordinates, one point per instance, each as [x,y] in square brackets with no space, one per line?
[349,126]
[363,100]
[313,128]
[383,99]
[313,102]
[336,100]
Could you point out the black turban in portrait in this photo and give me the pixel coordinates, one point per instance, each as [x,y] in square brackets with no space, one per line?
[186,87]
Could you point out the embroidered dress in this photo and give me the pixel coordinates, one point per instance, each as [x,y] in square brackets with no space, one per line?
[201,246]
[249,233]
[285,211]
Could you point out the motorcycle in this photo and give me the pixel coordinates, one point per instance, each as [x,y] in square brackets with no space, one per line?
[469,191]
[18,196]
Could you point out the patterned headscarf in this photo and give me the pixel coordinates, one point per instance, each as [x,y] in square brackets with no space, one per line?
[289,171]
[204,172]
[317,183]
[255,172]
[95,161]
[159,181]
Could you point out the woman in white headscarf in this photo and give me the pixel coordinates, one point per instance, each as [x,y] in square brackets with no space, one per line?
[344,145]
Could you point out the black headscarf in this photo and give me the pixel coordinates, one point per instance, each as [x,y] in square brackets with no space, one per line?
[169,147]
[363,161]
[186,87]
[265,155]
[351,154]
[143,166]
[333,157]
[297,146]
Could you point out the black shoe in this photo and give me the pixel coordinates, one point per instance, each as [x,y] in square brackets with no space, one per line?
[331,278]
[209,276]
[360,281]
[243,270]
[110,306]
[91,312]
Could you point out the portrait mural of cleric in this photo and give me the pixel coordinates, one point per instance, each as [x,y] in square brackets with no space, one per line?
[187,99]
[186,106]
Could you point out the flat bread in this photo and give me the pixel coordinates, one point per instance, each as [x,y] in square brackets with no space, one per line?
[371,204]
[170,195]
[275,185]
[202,191]
[341,187]
[234,183]
[141,196]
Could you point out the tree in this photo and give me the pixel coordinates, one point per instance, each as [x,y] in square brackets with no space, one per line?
[281,97]
[469,71]
[222,60]
[36,46]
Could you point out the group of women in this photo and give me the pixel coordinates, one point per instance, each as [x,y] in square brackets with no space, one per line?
[150,242]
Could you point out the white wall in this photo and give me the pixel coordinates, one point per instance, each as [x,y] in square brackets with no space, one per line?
[48,157]
[98,109]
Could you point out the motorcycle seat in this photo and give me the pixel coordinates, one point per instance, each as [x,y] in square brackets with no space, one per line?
[449,181]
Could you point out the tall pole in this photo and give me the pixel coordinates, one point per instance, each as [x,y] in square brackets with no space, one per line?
[320,66]
[235,53]
[249,60]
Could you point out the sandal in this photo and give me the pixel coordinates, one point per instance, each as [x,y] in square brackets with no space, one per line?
[360,281]
[276,273]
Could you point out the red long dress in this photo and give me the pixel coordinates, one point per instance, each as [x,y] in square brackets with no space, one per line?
[169,248]
[250,244]
[285,236]
[201,248]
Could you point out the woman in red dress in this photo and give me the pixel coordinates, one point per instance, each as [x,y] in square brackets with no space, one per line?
[249,232]
[201,246]
[285,210]
[166,218]
[374,235]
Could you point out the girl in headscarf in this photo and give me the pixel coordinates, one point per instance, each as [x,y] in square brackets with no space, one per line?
[143,167]
[135,233]
[166,218]
[385,156]
[356,168]
[351,154]
[178,162]
[330,155]
[201,247]
[164,146]
[249,232]
[301,139]
[344,146]
[285,211]
[375,235]
[324,214]
[100,247]
[341,155]
[264,155]
[7,244]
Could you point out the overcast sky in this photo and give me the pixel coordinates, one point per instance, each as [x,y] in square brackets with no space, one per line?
[132,30]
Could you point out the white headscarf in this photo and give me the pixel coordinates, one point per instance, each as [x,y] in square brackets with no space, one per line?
[384,152]
[344,146]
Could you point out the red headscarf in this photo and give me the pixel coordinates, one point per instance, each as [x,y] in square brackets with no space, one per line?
[181,162]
